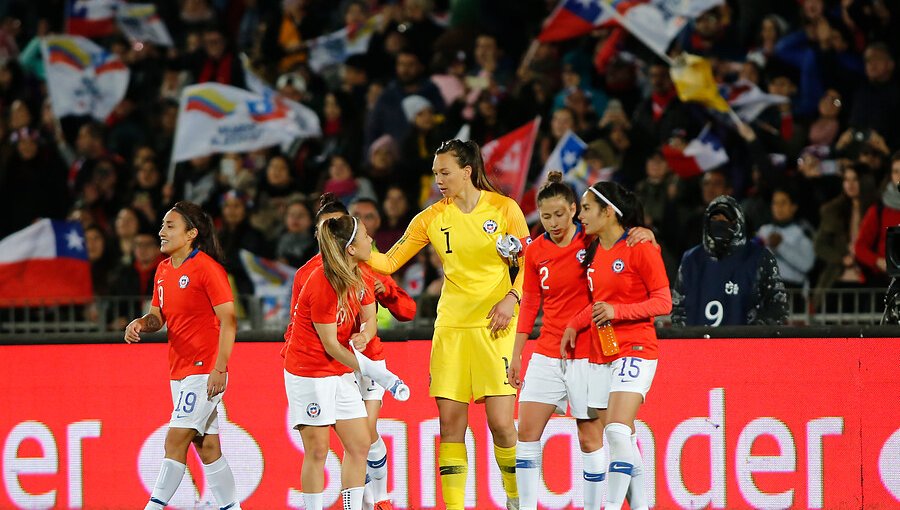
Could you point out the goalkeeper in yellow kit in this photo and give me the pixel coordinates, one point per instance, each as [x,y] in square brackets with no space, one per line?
[474,331]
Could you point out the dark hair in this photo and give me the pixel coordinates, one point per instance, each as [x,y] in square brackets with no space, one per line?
[469,154]
[206,240]
[329,203]
[895,157]
[555,187]
[95,129]
[790,191]
[626,201]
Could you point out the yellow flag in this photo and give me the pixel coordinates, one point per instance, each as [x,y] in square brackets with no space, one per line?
[694,81]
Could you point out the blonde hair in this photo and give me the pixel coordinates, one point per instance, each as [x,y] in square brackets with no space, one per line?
[342,273]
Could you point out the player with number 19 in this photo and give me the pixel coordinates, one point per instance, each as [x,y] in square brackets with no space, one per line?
[193,299]
[629,287]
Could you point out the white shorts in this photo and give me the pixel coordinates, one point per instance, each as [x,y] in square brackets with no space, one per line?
[630,374]
[322,401]
[557,382]
[369,389]
[190,407]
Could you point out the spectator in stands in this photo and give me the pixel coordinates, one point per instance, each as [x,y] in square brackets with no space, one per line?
[576,76]
[876,103]
[197,181]
[870,244]
[825,128]
[134,277]
[366,210]
[420,30]
[382,167]
[772,28]
[272,194]
[658,115]
[214,61]
[727,281]
[388,115]
[146,195]
[839,226]
[90,149]
[417,149]
[789,239]
[397,215]
[296,243]
[102,260]
[128,224]
[343,182]
[237,234]
[32,182]
[340,129]
[712,34]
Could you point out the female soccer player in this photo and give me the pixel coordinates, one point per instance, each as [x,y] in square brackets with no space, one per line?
[555,278]
[319,362]
[390,295]
[629,287]
[472,342]
[193,299]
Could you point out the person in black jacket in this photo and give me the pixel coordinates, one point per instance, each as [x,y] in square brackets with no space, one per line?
[726,280]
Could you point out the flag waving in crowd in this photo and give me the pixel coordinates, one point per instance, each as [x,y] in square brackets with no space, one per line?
[43,263]
[272,281]
[574,18]
[141,23]
[216,118]
[91,18]
[306,119]
[334,48]
[507,158]
[83,78]
[702,154]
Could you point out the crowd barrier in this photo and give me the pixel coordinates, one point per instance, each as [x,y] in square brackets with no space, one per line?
[776,421]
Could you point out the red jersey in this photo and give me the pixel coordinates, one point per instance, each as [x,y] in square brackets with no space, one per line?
[555,275]
[305,355]
[186,296]
[395,299]
[632,279]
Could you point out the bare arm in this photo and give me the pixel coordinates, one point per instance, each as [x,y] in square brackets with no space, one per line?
[150,323]
[227,331]
[328,336]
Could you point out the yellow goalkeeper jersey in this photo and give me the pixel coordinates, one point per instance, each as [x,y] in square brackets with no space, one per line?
[475,276]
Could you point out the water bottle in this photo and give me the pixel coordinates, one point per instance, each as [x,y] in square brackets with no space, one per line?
[608,343]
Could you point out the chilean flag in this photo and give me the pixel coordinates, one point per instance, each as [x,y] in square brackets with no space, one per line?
[45,263]
[91,18]
[506,159]
[574,18]
[702,154]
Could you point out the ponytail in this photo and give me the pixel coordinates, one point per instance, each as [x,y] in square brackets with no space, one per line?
[469,154]
[206,240]
[343,275]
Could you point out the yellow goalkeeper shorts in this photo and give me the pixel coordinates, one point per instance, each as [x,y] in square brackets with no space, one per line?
[470,363]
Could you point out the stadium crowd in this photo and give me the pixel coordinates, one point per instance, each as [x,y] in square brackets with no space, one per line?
[811,174]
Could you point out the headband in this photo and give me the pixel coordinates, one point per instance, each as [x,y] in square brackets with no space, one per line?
[601,197]
[353,235]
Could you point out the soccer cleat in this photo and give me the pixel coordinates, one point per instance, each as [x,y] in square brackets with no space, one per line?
[384,505]
[512,503]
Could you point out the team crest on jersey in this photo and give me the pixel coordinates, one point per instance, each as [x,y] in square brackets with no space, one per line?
[528,240]
[490,226]
[580,255]
[183,281]
[618,266]
[313,410]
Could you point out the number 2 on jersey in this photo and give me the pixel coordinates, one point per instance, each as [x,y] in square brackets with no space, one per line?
[545,273]
[447,238]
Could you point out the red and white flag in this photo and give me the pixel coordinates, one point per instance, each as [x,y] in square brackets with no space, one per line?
[748,100]
[91,18]
[700,155]
[507,159]
[45,263]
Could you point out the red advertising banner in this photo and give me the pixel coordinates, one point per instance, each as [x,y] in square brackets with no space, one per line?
[741,423]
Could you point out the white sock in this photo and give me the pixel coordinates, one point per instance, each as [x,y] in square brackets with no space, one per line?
[170,474]
[221,483]
[637,493]
[312,501]
[594,476]
[376,469]
[353,498]
[368,498]
[621,463]
[528,473]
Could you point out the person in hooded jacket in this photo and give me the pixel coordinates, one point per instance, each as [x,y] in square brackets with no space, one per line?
[725,280]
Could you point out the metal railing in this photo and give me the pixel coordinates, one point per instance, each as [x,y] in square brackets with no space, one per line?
[112,313]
